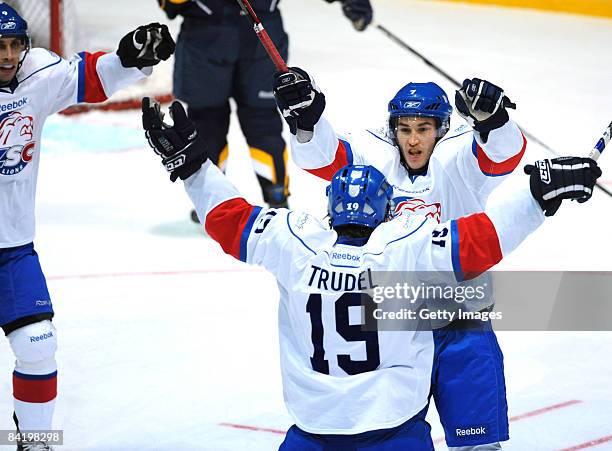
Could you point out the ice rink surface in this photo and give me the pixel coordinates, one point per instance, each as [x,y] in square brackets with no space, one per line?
[167,344]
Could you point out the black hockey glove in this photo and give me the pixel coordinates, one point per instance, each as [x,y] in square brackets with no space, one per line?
[556,179]
[298,99]
[182,154]
[483,105]
[357,11]
[146,46]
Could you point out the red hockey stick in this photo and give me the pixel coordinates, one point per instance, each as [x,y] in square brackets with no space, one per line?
[263,36]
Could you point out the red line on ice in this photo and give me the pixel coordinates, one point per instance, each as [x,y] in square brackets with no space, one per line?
[441,439]
[544,410]
[151,273]
[252,428]
[533,413]
[589,444]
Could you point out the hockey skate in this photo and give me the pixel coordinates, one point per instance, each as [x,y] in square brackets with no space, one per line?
[33,446]
[26,445]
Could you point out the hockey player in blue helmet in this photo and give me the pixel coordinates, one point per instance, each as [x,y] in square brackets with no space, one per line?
[34,84]
[442,174]
[14,43]
[419,116]
[347,386]
[358,201]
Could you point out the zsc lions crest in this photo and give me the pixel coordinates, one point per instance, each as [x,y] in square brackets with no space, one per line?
[16,145]
[417,207]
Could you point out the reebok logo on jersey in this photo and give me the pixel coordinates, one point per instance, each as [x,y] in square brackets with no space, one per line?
[471,431]
[345,256]
[44,336]
[13,105]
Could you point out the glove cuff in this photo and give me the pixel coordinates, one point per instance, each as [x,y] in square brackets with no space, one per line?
[496,121]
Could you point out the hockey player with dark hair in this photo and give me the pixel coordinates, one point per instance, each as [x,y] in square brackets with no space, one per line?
[35,83]
[347,387]
[440,174]
[218,57]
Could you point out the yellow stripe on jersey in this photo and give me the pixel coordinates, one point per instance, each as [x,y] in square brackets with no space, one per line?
[263,164]
[589,7]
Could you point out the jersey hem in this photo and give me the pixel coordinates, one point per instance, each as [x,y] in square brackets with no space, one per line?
[372,427]
[17,243]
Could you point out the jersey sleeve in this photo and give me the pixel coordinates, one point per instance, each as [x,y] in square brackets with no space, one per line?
[470,245]
[90,78]
[326,152]
[249,233]
[480,165]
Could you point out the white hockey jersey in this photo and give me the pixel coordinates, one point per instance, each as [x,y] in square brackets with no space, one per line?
[462,171]
[337,377]
[47,84]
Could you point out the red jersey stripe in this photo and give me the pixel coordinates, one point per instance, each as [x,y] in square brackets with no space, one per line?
[492,168]
[479,246]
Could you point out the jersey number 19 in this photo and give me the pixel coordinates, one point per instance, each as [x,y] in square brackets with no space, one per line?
[350,332]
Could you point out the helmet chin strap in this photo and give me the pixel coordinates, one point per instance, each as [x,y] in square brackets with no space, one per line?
[25,52]
[13,83]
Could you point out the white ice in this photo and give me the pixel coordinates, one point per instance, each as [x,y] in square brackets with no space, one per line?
[163,338]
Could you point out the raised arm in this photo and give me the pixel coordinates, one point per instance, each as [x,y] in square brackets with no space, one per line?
[315,146]
[247,232]
[94,77]
[496,145]
[471,245]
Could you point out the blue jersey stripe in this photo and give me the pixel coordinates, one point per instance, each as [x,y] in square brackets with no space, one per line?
[81,82]
[244,237]
[35,377]
[349,151]
[455,252]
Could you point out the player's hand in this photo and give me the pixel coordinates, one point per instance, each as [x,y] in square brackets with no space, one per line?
[483,105]
[146,46]
[298,99]
[555,179]
[359,12]
[182,154]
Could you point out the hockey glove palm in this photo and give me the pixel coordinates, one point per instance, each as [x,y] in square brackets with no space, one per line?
[146,46]
[556,179]
[298,99]
[182,154]
[483,105]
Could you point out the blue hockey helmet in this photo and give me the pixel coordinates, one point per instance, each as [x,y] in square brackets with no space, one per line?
[12,24]
[358,195]
[420,99]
